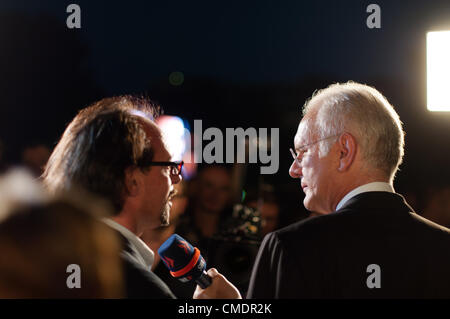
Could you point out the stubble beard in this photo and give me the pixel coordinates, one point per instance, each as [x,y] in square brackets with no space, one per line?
[165,214]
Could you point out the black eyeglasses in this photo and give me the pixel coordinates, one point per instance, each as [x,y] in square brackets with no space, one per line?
[175,167]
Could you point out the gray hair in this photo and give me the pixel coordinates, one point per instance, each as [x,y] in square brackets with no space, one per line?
[365,113]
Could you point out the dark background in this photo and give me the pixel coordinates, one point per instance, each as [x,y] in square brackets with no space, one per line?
[245,64]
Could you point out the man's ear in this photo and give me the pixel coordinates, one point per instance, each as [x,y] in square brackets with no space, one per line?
[347,151]
[132,181]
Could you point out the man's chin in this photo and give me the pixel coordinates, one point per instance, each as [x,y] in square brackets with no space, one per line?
[315,210]
[309,205]
[164,223]
[165,216]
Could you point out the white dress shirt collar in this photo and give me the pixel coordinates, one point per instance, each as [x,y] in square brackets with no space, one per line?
[371,187]
[146,255]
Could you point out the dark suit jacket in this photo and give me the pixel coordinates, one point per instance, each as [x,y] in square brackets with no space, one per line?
[139,281]
[328,256]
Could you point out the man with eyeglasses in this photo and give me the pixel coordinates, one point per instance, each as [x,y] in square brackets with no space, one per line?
[365,241]
[113,149]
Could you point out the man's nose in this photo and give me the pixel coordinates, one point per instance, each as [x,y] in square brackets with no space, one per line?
[295,171]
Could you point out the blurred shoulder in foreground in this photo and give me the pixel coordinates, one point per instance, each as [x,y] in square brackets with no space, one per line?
[45,241]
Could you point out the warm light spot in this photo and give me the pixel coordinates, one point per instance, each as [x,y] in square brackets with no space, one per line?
[438,71]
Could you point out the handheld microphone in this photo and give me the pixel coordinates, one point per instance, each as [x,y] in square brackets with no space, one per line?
[184,261]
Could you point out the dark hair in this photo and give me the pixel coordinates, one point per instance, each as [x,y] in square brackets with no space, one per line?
[100,143]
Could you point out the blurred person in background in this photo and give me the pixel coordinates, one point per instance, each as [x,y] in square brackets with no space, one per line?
[266,203]
[208,208]
[40,236]
[437,208]
[209,205]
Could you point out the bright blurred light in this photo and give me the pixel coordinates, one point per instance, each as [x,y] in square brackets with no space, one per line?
[178,140]
[173,130]
[438,71]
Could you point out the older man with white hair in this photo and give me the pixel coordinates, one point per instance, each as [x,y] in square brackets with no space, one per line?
[366,241]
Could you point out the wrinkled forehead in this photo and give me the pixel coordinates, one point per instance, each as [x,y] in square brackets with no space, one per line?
[305,132]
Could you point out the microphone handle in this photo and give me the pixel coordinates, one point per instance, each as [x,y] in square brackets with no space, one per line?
[204,280]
